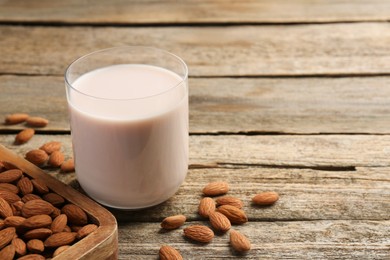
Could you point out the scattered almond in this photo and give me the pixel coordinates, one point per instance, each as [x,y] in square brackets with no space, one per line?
[40,186]
[60,239]
[5,208]
[25,186]
[265,198]
[173,222]
[216,188]
[67,166]
[219,221]
[169,253]
[239,242]
[10,175]
[7,253]
[59,250]
[24,136]
[35,246]
[6,235]
[16,118]
[56,159]
[37,157]
[199,233]
[59,223]
[37,121]
[50,147]
[36,207]
[235,215]
[206,206]
[228,200]
[75,214]
[86,230]
[20,246]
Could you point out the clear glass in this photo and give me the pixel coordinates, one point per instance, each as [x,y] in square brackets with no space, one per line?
[129,133]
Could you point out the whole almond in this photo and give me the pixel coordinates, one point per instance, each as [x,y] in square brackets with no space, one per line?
[9,166]
[38,233]
[199,233]
[32,257]
[6,236]
[169,253]
[37,121]
[37,221]
[86,230]
[10,197]
[75,214]
[7,253]
[10,175]
[20,246]
[25,186]
[9,187]
[40,186]
[37,157]
[59,223]
[219,221]
[14,221]
[239,242]
[228,200]
[35,246]
[265,198]
[24,136]
[173,222]
[36,207]
[54,199]
[50,147]
[18,205]
[56,159]
[16,118]
[5,208]
[60,250]
[30,196]
[67,166]
[216,188]
[235,215]
[60,239]
[206,206]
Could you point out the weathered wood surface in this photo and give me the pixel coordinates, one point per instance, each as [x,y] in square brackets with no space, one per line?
[192,11]
[329,49]
[287,105]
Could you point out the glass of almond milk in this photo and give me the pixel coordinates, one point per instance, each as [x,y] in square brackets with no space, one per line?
[128,110]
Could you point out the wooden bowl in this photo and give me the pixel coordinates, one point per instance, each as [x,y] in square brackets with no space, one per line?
[102,243]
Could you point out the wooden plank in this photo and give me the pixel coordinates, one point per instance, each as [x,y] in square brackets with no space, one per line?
[270,240]
[289,105]
[193,11]
[306,194]
[330,49]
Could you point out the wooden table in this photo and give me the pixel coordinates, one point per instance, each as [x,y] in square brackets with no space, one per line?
[285,96]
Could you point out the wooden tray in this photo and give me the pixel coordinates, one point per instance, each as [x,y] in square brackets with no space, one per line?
[101,244]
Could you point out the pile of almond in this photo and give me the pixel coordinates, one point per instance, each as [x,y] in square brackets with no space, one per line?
[35,222]
[222,213]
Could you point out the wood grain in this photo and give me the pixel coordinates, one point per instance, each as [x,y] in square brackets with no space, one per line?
[210,51]
[192,11]
[234,105]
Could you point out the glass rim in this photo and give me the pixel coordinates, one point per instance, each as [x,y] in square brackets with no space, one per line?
[180,60]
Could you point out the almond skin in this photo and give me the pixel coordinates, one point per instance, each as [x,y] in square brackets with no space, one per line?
[169,253]
[5,208]
[59,223]
[216,188]
[35,246]
[10,175]
[60,250]
[199,233]
[37,121]
[20,246]
[235,215]
[6,236]
[219,222]
[25,186]
[37,157]
[38,233]
[173,222]
[56,159]
[7,253]
[75,214]
[50,147]
[54,199]
[67,166]
[9,187]
[29,197]
[14,221]
[16,118]
[86,230]
[40,186]
[206,206]
[239,242]
[265,198]
[36,207]
[37,221]
[24,136]
[60,239]
[228,200]
[10,197]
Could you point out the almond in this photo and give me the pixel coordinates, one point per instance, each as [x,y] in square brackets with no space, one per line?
[86,230]
[37,121]
[206,206]
[235,215]
[20,246]
[265,198]
[239,242]
[35,246]
[59,223]
[29,197]
[10,175]
[15,211]
[75,228]
[68,229]
[36,207]
[24,135]
[169,253]
[75,214]
[219,222]
[199,233]
[173,222]
[6,235]
[37,157]
[10,197]
[2,225]
[56,159]
[38,233]
[216,188]
[37,221]
[50,147]
[228,200]
[9,166]
[67,166]
[7,253]
[16,118]
[18,205]
[2,167]
[25,186]
[14,221]
[60,239]
[60,250]
[40,186]
[32,257]
[9,187]
[54,199]
[5,208]
[56,212]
